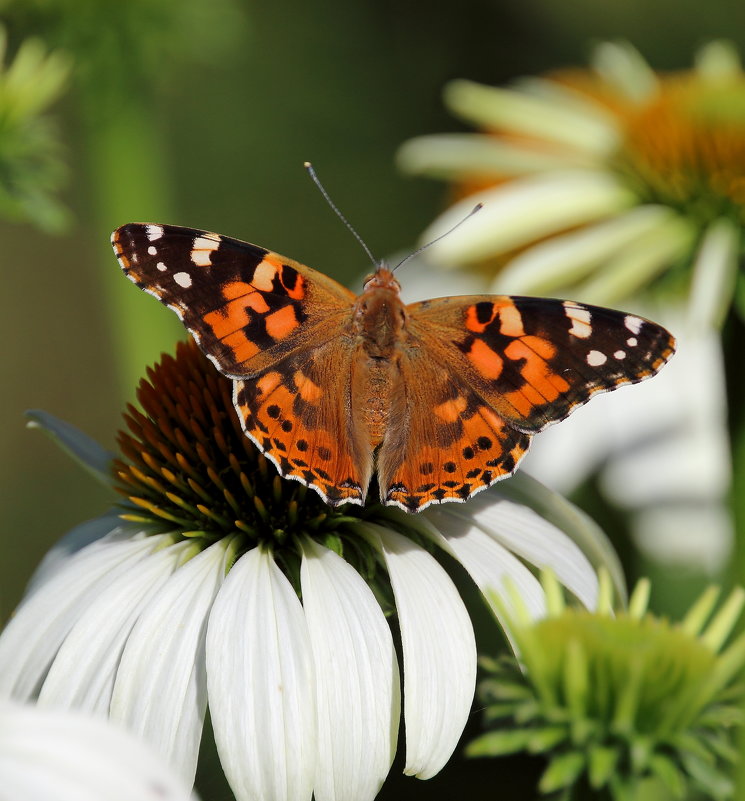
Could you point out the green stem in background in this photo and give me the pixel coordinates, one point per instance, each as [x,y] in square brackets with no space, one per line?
[738,560]
[129,183]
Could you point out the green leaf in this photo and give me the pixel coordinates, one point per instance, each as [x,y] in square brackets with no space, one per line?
[668,772]
[562,771]
[601,763]
[496,743]
[708,777]
[82,448]
[546,738]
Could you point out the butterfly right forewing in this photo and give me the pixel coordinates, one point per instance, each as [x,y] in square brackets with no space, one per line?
[535,360]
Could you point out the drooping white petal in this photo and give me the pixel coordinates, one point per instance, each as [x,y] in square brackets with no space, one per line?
[260,682]
[82,448]
[639,262]
[75,540]
[43,620]
[531,536]
[622,66]
[575,524]
[487,561]
[83,671]
[562,260]
[357,682]
[160,691]
[51,755]
[714,275]
[592,129]
[459,156]
[439,651]
[520,211]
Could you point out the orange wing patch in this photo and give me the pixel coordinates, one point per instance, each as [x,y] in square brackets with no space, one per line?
[454,444]
[299,420]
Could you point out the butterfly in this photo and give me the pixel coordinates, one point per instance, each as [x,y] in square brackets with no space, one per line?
[438,399]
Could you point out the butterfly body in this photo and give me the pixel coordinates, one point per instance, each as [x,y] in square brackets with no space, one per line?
[439,399]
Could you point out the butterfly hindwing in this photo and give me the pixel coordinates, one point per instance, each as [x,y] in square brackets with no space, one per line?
[246,306]
[449,444]
[298,413]
[534,360]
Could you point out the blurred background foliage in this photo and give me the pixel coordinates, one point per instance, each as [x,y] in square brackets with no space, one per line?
[202,114]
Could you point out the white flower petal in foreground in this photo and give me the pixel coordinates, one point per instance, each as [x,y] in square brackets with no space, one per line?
[50,755]
[160,691]
[260,680]
[194,604]
[356,677]
[439,652]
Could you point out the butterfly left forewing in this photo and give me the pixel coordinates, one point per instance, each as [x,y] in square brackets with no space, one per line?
[247,307]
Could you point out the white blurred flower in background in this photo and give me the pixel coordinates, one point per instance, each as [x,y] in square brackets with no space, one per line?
[622,187]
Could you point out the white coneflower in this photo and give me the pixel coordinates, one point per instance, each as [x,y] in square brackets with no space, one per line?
[49,755]
[222,585]
[618,186]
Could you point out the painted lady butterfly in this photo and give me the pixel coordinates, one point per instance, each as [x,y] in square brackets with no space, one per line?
[440,398]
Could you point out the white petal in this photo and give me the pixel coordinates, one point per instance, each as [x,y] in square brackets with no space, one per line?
[487,561]
[639,262]
[357,682]
[623,67]
[579,527]
[425,280]
[671,433]
[591,129]
[43,620]
[49,755]
[82,448]
[718,61]
[160,692]
[697,537]
[260,682]
[532,537]
[567,258]
[439,651]
[75,540]
[714,275]
[456,156]
[82,674]
[520,211]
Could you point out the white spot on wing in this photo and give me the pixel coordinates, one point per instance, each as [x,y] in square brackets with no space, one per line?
[152,250]
[619,354]
[580,318]
[153,232]
[201,249]
[632,342]
[183,279]
[595,358]
[162,267]
[634,324]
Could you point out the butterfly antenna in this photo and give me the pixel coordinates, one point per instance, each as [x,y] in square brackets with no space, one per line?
[468,216]
[308,166]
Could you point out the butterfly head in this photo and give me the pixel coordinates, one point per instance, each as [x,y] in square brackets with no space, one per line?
[382,278]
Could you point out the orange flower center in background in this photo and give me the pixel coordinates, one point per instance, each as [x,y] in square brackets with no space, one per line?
[685,147]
